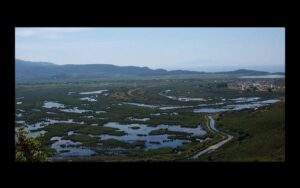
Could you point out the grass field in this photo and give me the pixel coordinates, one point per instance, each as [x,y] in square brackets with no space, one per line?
[258,135]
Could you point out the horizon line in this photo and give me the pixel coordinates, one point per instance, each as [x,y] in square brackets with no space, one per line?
[175,69]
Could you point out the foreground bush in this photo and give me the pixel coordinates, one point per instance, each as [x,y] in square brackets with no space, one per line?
[28,149]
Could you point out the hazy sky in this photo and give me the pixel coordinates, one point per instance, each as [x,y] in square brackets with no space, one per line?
[201,49]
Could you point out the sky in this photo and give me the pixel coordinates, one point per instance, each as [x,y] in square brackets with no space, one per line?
[171,48]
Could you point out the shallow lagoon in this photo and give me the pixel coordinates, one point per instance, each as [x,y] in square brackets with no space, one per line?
[50,104]
[30,128]
[185,99]
[68,148]
[151,141]
[161,107]
[93,92]
[245,99]
[264,76]
[138,119]
[100,112]
[88,99]
[75,110]
[237,106]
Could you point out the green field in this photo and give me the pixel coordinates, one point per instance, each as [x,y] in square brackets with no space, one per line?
[258,135]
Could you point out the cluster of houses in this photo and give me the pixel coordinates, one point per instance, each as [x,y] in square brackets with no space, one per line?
[255,85]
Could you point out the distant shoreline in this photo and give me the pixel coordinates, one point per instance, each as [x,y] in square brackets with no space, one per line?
[264,76]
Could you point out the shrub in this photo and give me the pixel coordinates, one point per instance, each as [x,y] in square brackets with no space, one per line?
[28,149]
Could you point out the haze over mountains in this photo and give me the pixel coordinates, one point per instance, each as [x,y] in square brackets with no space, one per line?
[27,71]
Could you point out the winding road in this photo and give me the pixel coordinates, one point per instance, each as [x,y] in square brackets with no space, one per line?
[217,145]
[131,91]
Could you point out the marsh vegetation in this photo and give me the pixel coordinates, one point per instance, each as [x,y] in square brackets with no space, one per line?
[150,120]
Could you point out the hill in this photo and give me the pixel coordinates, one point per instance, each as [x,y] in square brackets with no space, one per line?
[28,71]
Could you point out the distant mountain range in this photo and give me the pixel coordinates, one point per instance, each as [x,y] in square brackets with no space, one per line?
[27,71]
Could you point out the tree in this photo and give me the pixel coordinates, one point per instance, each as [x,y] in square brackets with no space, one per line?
[28,149]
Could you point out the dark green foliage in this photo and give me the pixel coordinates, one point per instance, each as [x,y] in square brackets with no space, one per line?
[99,130]
[83,138]
[166,131]
[28,149]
